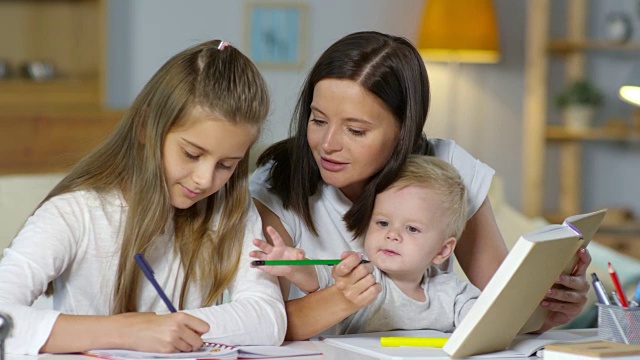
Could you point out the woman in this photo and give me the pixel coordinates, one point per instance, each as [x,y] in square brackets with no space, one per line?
[360,114]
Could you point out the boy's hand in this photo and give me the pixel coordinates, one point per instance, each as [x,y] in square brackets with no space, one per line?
[355,280]
[277,251]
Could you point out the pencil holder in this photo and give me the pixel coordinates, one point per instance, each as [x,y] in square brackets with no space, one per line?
[619,324]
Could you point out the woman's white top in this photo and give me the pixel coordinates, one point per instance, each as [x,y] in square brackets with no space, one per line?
[74,240]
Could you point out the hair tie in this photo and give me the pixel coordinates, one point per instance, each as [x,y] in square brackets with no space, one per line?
[223,44]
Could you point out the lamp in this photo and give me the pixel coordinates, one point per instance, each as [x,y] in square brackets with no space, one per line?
[630,94]
[459,31]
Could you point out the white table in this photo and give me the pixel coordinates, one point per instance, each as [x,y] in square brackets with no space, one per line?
[328,351]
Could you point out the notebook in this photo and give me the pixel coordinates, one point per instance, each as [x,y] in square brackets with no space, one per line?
[596,350]
[509,303]
[210,351]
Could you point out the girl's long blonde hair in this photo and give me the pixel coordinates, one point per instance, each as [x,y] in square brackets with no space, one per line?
[224,82]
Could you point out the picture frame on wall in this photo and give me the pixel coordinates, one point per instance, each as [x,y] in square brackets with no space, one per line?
[276,34]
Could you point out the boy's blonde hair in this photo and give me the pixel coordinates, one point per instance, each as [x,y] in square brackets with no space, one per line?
[224,82]
[442,178]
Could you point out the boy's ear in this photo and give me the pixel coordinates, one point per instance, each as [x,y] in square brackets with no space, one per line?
[445,251]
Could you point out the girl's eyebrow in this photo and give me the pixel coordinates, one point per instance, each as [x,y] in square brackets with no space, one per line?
[195,145]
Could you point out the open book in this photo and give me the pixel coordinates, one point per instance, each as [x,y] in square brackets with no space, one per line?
[210,351]
[523,346]
[509,304]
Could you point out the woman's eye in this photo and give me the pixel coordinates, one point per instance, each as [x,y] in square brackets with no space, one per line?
[357,132]
[190,155]
[317,121]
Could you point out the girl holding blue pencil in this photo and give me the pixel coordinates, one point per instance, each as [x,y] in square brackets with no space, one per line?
[170,182]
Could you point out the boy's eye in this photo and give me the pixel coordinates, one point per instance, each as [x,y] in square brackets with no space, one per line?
[413,229]
[382,223]
[190,155]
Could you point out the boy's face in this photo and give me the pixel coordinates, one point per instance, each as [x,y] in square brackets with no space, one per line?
[201,155]
[406,233]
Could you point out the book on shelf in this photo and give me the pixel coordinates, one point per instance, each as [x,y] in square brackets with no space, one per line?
[591,350]
[509,304]
[209,351]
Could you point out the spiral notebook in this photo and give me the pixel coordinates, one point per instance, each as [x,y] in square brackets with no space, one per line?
[210,351]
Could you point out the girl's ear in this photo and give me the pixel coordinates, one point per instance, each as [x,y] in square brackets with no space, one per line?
[445,251]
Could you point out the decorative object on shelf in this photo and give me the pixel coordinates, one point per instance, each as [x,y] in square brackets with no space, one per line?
[39,70]
[276,34]
[619,27]
[459,31]
[5,70]
[578,102]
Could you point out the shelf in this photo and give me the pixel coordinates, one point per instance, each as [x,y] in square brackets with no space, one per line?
[77,91]
[567,46]
[52,141]
[559,133]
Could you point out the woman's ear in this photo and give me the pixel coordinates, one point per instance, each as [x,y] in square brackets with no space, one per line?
[445,251]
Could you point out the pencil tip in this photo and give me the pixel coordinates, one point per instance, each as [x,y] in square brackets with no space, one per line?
[257,262]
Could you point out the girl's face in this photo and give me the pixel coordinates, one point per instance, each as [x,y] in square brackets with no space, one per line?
[351,134]
[200,155]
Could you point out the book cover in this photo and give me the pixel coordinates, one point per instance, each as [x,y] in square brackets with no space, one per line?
[521,282]
[591,350]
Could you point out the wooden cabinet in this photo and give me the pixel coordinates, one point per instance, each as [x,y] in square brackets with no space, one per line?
[42,120]
[572,51]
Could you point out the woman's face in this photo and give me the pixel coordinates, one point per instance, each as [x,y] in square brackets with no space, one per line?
[351,134]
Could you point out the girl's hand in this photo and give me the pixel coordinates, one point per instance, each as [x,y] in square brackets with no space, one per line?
[277,251]
[175,332]
[355,280]
[566,299]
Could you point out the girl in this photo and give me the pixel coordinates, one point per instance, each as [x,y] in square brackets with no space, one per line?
[169,182]
[360,114]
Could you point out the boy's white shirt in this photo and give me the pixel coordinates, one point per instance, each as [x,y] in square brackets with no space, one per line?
[73,239]
[448,300]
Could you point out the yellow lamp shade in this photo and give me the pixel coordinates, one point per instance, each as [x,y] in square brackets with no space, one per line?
[459,31]
[630,94]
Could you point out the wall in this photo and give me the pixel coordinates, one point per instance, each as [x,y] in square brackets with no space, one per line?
[480,106]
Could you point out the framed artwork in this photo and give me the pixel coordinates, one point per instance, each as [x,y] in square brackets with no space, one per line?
[276,34]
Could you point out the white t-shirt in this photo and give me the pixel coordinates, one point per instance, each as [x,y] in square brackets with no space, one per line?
[448,300]
[73,239]
[328,205]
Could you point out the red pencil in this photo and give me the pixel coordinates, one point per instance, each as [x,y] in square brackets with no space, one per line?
[616,283]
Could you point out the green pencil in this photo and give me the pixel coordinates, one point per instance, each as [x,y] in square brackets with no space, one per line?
[304,262]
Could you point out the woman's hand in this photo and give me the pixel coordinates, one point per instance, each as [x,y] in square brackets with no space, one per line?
[278,251]
[355,280]
[566,299]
